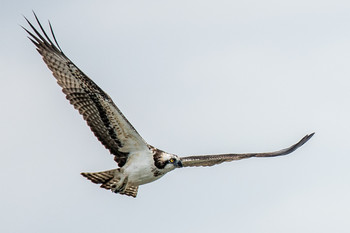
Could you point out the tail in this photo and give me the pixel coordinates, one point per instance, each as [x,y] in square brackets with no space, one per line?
[103,178]
[107,181]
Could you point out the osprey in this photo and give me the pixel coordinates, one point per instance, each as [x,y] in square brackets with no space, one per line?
[138,162]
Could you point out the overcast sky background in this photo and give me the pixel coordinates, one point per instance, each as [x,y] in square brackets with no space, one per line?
[193,77]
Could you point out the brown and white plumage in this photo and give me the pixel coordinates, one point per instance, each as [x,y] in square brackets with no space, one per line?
[104,118]
[210,160]
[138,162]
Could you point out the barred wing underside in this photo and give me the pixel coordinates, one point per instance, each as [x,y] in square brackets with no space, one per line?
[210,160]
[104,118]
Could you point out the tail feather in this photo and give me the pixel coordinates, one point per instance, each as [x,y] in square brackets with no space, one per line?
[107,180]
[130,190]
[100,177]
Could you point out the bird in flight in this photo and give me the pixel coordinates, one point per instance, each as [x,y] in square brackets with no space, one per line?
[138,162]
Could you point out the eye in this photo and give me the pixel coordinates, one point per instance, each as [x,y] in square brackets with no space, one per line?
[172,160]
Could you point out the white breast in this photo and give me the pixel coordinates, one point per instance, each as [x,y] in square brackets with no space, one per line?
[140,168]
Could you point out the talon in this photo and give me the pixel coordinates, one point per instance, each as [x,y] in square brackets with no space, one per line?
[119,186]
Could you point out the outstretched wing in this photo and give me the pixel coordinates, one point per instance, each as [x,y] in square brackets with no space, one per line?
[210,160]
[104,118]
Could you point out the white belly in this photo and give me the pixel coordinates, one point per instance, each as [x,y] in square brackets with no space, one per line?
[140,169]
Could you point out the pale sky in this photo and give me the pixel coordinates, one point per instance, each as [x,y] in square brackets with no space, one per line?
[193,77]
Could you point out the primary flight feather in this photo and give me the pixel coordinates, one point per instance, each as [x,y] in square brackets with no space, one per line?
[138,162]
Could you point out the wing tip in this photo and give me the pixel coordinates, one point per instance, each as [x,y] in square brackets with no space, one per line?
[42,39]
[305,139]
[293,147]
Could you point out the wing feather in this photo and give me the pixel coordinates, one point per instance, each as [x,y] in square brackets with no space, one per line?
[210,160]
[106,121]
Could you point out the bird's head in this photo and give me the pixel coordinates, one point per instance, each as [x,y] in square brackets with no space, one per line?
[166,161]
[174,161]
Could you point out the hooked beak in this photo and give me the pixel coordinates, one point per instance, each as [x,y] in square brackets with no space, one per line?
[179,164]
